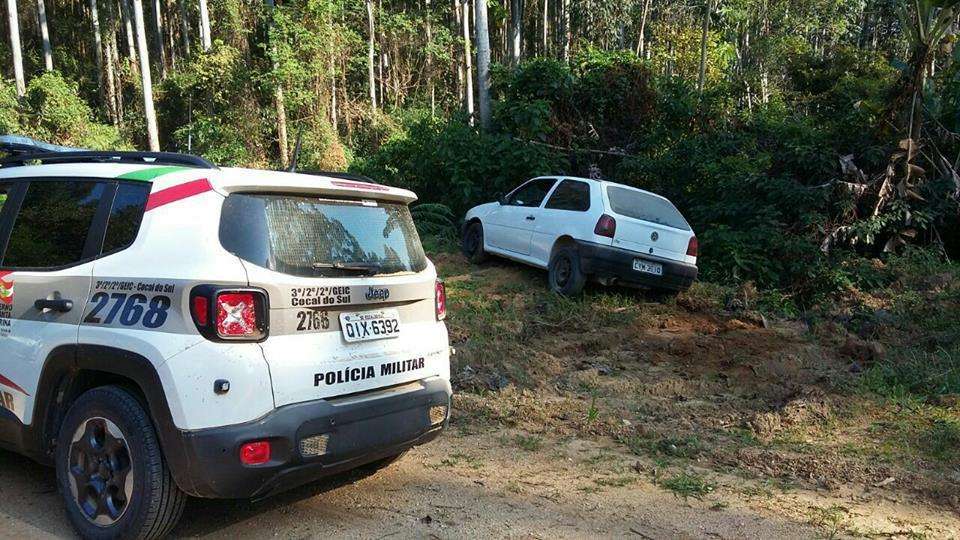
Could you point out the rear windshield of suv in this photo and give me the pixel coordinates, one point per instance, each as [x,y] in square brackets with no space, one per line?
[319,237]
[640,205]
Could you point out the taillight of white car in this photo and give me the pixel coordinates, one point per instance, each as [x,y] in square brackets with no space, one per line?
[606,226]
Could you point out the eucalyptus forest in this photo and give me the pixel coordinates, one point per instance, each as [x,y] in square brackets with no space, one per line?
[813,145]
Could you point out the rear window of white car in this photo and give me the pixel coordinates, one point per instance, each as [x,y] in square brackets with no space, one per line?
[320,237]
[640,205]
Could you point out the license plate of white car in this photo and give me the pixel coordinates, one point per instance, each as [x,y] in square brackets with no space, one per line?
[648,267]
[370,325]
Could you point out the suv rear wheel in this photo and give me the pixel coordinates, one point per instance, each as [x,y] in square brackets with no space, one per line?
[566,277]
[110,470]
[472,243]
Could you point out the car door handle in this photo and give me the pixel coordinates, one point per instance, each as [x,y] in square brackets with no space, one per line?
[531,218]
[62,306]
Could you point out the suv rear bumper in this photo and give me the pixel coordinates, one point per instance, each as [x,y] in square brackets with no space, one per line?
[606,262]
[362,429]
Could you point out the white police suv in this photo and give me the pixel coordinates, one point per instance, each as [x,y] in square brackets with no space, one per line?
[581,229]
[169,328]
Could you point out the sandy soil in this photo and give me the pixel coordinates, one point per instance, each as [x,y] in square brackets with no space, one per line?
[472,485]
[494,496]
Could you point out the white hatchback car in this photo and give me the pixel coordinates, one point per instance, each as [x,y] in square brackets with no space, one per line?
[581,229]
[171,328]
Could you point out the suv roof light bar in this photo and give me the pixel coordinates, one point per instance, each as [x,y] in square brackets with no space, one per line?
[84,156]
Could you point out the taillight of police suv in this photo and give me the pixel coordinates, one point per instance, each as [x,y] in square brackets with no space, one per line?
[230,314]
[440,297]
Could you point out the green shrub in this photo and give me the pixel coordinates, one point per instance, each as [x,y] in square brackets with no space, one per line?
[53,111]
[916,375]
[9,108]
[453,163]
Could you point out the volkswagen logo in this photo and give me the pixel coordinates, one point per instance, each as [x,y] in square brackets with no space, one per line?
[654,236]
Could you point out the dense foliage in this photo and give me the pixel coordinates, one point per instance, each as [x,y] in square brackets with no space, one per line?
[797,137]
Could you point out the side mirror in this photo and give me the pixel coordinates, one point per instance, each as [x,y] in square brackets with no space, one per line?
[502,199]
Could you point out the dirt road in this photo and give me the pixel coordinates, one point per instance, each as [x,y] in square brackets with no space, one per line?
[460,486]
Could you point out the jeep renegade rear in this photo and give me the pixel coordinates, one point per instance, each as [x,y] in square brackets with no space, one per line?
[168,328]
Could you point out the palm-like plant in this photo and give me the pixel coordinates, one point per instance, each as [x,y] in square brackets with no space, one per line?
[926,23]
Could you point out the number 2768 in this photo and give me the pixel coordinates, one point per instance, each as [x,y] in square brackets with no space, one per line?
[128,310]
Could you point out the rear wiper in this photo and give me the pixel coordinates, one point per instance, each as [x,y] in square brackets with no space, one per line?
[365,268]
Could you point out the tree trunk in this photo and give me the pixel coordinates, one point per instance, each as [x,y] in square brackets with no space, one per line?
[566,31]
[545,37]
[483,62]
[97,44]
[184,27]
[278,91]
[381,57]
[14,26]
[158,31]
[205,32]
[371,74]
[703,46]
[149,114]
[431,88]
[458,17]
[642,40]
[171,37]
[45,35]
[128,31]
[111,86]
[114,59]
[516,35]
[333,95]
[467,60]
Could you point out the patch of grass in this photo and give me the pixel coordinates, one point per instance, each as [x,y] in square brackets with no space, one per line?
[437,243]
[686,485]
[593,413]
[912,375]
[942,439]
[831,519]
[704,296]
[530,443]
[743,436]
[515,287]
[675,447]
[687,447]
[615,481]
[597,459]
[457,458]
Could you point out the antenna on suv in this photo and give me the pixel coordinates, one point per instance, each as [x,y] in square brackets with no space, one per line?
[296,151]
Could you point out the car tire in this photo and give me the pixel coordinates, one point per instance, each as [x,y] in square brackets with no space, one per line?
[472,243]
[111,472]
[565,274]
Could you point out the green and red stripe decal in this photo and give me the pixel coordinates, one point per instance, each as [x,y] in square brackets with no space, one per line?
[177,193]
[170,194]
